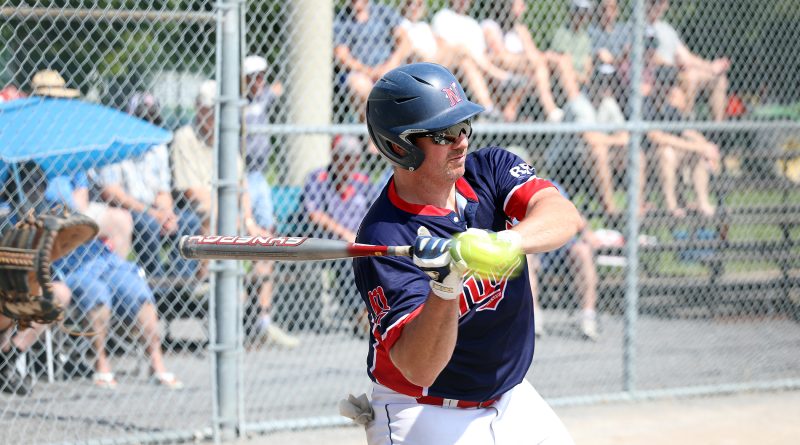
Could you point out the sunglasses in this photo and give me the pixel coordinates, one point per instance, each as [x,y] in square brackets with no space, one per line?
[450,134]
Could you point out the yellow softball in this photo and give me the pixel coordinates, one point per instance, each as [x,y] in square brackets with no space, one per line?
[486,256]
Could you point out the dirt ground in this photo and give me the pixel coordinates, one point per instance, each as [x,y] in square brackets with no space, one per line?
[765,418]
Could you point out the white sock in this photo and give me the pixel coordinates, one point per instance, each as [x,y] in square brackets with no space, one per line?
[589,314]
[264,320]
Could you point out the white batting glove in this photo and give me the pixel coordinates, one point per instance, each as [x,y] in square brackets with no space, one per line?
[432,255]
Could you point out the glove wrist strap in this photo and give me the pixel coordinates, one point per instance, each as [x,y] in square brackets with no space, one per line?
[446,291]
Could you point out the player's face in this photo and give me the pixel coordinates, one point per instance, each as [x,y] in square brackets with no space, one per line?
[445,152]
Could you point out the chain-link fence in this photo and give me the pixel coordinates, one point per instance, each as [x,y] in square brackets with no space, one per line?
[673,126]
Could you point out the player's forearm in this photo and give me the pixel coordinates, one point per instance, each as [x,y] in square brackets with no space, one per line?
[427,342]
[551,221]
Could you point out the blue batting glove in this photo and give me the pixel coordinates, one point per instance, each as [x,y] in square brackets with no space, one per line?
[432,255]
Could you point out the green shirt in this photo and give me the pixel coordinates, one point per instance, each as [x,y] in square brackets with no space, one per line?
[575,43]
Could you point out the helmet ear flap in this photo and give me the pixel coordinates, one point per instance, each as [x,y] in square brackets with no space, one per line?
[411,158]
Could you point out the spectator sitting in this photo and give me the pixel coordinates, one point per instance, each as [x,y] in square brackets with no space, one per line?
[674,151]
[335,198]
[142,186]
[102,281]
[419,42]
[602,147]
[464,34]
[12,346]
[572,43]
[696,73]
[512,48]
[365,46]
[193,168]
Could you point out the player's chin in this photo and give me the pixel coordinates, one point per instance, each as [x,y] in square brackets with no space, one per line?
[456,171]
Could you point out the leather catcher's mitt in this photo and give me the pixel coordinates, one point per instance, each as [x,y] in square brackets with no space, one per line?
[26,252]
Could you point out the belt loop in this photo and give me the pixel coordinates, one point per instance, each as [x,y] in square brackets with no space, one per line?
[450,403]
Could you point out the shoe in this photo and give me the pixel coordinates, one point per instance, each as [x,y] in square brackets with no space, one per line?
[589,328]
[555,116]
[167,380]
[273,333]
[104,380]
[11,381]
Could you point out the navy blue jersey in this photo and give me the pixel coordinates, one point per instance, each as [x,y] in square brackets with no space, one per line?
[495,341]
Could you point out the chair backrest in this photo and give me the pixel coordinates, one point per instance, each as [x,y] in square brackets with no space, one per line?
[290,218]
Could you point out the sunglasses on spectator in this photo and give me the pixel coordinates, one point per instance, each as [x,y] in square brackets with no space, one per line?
[450,134]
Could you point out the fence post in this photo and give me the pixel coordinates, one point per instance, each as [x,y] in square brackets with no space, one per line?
[226,305]
[634,183]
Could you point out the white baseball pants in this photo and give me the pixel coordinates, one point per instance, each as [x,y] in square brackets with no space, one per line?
[520,417]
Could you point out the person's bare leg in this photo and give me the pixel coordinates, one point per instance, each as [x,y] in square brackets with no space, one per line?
[582,263]
[644,206]
[511,107]
[24,339]
[719,97]
[602,176]
[476,83]
[669,161]
[700,178]
[148,321]
[263,271]
[541,77]
[566,74]
[690,83]
[533,277]
[99,318]
[585,274]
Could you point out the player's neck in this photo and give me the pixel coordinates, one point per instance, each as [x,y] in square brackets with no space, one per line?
[415,191]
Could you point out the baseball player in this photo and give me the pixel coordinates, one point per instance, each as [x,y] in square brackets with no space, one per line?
[448,352]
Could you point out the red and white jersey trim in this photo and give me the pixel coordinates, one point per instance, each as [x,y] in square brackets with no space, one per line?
[383,369]
[516,202]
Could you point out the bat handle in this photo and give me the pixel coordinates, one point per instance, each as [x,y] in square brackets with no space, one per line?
[401,251]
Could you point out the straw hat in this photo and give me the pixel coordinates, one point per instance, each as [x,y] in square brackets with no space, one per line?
[50,83]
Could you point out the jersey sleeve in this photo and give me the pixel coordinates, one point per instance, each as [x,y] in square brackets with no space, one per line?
[514,180]
[394,290]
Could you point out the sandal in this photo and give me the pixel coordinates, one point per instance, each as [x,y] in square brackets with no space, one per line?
[167,379]
[104,380]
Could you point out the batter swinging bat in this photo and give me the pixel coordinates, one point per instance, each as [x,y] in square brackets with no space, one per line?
[218,247]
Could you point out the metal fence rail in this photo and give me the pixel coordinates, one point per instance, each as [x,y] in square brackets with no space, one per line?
[687,282]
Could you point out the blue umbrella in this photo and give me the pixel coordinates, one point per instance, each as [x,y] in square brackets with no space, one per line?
[67,135]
